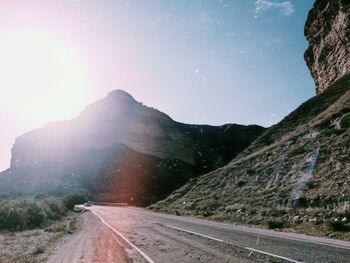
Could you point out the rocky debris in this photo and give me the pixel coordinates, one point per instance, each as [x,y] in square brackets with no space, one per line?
[327,30]
[296,219]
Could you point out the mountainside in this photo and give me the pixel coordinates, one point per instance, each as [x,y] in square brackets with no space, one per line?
[297,172]
[117,146]
[116,173]
[327,30]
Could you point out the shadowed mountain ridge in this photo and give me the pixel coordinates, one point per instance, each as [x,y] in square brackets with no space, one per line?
[88,152]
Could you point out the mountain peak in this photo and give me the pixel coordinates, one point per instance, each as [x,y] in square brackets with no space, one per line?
[120,94]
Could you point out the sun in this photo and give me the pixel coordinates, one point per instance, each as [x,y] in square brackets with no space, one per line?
[41,78]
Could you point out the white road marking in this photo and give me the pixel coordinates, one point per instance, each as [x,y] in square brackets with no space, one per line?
[299,239]
[118,242]
[149,260]
[222,241]
[195,233]
[272,255]
[246,230]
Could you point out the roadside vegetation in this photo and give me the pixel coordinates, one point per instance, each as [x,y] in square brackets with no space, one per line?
[25,213]
[30,227]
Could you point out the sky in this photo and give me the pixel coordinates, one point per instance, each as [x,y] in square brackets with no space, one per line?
[199,61]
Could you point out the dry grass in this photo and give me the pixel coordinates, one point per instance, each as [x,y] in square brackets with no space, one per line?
[32,246]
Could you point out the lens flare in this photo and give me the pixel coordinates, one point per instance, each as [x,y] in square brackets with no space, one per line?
[42,79]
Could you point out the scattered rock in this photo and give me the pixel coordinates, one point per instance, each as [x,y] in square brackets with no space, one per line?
[296,218]
[331,235]
[316,220]
[235,207]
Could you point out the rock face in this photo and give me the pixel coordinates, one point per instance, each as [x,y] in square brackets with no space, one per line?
[117,149]
[328,32]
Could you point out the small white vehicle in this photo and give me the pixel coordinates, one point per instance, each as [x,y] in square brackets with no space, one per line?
[88,203]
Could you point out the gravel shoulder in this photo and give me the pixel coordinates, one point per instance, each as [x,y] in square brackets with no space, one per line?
[93,242]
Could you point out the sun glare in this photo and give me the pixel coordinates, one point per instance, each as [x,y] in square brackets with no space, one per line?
[41,79]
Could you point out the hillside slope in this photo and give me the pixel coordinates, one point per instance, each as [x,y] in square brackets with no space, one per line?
[297,171]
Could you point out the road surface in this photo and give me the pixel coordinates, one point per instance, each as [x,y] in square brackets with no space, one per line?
[155,237]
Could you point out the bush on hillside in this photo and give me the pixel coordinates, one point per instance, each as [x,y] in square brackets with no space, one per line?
[273,224]
[73,199]
[54,208]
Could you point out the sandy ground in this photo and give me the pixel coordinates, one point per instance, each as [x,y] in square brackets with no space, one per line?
[92,243]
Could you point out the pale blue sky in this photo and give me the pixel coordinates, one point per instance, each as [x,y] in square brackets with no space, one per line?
[199,61]
[223,61]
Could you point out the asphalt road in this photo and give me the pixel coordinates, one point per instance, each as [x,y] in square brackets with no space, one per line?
[155,237]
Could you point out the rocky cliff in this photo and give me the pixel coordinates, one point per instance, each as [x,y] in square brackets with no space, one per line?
[117,148]
[327,30]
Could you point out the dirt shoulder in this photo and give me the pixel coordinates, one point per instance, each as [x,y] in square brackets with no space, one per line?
[27,246]
[33,246]
[93,242]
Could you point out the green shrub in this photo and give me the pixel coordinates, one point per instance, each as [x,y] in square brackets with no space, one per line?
[273,224]
[20,214]
[54,208]
[15,219]
[73,199]
[278,212]
[240,183]
[338,226]
[35,216]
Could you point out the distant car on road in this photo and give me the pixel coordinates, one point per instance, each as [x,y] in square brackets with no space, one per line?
[88,203]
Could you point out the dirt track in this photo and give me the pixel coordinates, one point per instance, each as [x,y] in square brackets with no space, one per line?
[93,243]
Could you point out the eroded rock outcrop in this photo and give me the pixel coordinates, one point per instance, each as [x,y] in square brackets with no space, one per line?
[327,30]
